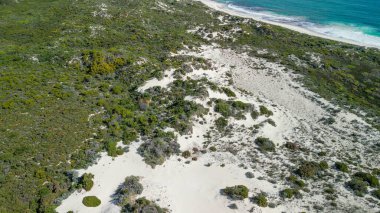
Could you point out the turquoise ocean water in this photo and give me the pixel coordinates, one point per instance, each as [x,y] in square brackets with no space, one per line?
[356,20]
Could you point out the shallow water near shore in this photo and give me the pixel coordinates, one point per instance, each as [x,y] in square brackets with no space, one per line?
[355,20]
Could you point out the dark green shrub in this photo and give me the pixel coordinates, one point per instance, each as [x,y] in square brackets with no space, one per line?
[341,167]
[112,150]
[358,186]
[87,181]
[265,111]
[186,154]
[117,90]
[323,165]
[228,92]
[308,169]
[265,144]
[223,108]
[213,149]
[221,123]
[261,200]
[238,192]
[376,193]
[367,177]
[91,201]
[129,136]
[254,114]
[289,193]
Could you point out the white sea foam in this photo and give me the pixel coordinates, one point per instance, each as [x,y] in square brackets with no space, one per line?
[336,31]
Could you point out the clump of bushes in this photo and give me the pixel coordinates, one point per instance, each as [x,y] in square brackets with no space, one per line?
[358,186]
[296,182]
[265,144]
[156,150]
[86,181]
[367,177]
[128,190]
[221,123]
[290,193]
[308,169]
[238,192]
[341,167]
[223,108]
[255,114]
[261,200]
[96,62]
[265,111]
[91,201]
[112,150]
[143,205]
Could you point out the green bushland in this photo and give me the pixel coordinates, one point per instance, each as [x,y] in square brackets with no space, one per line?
[91,201]
[238,192]
[55,70]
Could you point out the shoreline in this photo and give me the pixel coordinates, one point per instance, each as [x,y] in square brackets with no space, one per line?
[224,8]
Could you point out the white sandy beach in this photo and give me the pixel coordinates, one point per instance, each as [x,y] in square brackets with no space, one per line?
[224,8]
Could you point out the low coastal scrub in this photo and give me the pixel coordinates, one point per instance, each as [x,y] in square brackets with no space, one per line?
[238,192]
[159,148]
[125,197]
[221,123]
[290,193]
[128,190]
[91,201]
[265,144]
[143,205]
[308,169]
[86,181]
[341,167]
[265,111]
[261,200]
[358,186]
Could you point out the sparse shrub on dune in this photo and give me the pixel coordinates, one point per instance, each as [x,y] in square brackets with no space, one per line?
[265,111]
[261,200]
[340,166]
[238,192]
[308,169]
[221,123]
[265,144]
[367,177]
[290,193]
[228,92]
[358,186]
[127,191]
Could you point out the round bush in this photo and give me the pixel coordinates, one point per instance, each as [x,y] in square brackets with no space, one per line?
[238,192]
[91,201]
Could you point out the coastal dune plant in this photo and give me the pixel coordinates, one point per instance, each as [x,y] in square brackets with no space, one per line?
[91,201]
[238,192]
